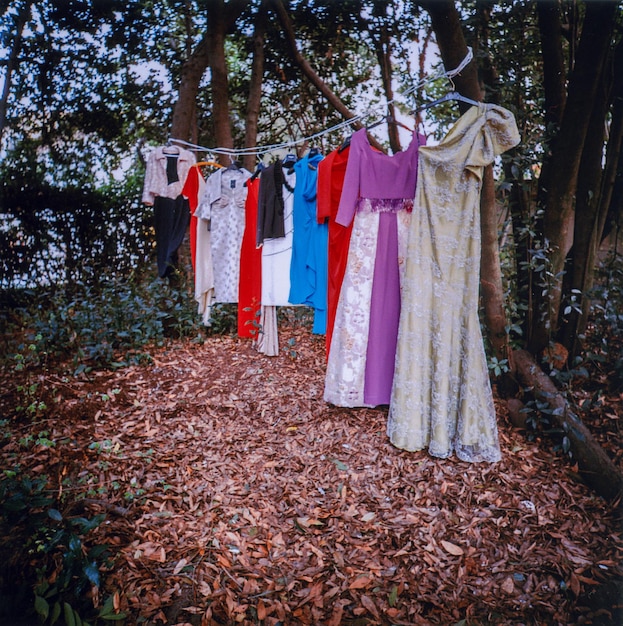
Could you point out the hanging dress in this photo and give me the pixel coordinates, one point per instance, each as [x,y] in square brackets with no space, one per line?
[200,247]
[441,399]
[250,287]
[331,173]
[165,175]
[377,197]
[308,267]
[275,233]
[223,204]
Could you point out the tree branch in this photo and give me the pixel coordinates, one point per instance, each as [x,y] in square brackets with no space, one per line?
[309,71]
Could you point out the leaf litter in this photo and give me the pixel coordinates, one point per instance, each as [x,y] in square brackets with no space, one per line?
[235,495]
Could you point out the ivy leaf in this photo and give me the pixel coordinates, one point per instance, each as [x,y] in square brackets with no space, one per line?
[42,607]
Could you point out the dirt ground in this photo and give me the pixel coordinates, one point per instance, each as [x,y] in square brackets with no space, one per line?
[235,495]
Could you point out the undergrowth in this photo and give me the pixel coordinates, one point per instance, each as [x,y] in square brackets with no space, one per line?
[106,325]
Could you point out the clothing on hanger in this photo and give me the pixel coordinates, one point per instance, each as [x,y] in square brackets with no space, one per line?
[165,176]
[277,251]
[441,398]
[331,173]
[308,266]
[250,284]
[270,211]
[360,365]
[222,205]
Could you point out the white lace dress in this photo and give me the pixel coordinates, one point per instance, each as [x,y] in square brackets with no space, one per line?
[222,204]
[441,396]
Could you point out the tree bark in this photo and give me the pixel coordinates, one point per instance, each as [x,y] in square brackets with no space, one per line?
[595,466]
[565,164]
[554,82]
[554,75]
[588,222]
[451,41]
[611,195]
[184,110]
[255,85]
[382,47]
[309,71]
[221,122]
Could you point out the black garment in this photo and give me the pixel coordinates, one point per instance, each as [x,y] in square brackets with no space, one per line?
[270,207]
[172,175]
[171,219]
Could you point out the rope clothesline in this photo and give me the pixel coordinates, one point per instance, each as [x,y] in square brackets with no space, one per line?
[262,150]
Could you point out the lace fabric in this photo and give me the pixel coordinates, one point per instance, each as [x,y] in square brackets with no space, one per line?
[441,395]
[346,366]
[222,205]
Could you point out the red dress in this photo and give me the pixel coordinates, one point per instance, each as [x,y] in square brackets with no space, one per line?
[192,188]
[250,284]
[331,172]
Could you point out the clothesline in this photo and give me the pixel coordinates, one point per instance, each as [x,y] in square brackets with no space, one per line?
[262,150]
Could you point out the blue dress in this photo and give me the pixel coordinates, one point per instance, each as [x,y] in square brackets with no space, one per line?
[309,265]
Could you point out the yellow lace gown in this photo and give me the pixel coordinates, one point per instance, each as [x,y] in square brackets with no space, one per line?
[441,396]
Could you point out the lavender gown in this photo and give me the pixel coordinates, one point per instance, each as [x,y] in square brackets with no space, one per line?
[378,195]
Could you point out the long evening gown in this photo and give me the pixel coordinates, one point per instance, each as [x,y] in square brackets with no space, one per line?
[441,399]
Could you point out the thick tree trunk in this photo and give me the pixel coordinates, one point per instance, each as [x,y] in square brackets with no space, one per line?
[382,46]
[554,74]
[565,164]
[554,82]
[221,122]
[491,287]
[612,186]
[184,110]
[594,465]
[451,41]
[588,222]
[210,52]
[255,85]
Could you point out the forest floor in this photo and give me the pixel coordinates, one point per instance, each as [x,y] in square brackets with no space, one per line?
[234,494]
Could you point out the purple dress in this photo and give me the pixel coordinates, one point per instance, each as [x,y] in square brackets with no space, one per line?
[378,195]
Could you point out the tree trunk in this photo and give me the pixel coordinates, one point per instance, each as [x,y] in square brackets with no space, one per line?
[309,71]
[554,82]
[452,46]
[22,17]
[184,110]
[255,85]
[588,222]
[221,122]
[451,41]
[382,47]
[611,195]
[594,465]
[554,74]
[491,287]
[565,164]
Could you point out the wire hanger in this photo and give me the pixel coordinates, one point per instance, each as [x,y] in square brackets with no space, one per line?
[451,95]
[208,163]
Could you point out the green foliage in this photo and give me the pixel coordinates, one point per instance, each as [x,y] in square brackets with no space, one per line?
[69,561]
[108,325]
[604,340]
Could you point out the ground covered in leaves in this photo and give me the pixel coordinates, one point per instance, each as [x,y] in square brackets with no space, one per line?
[234,494]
